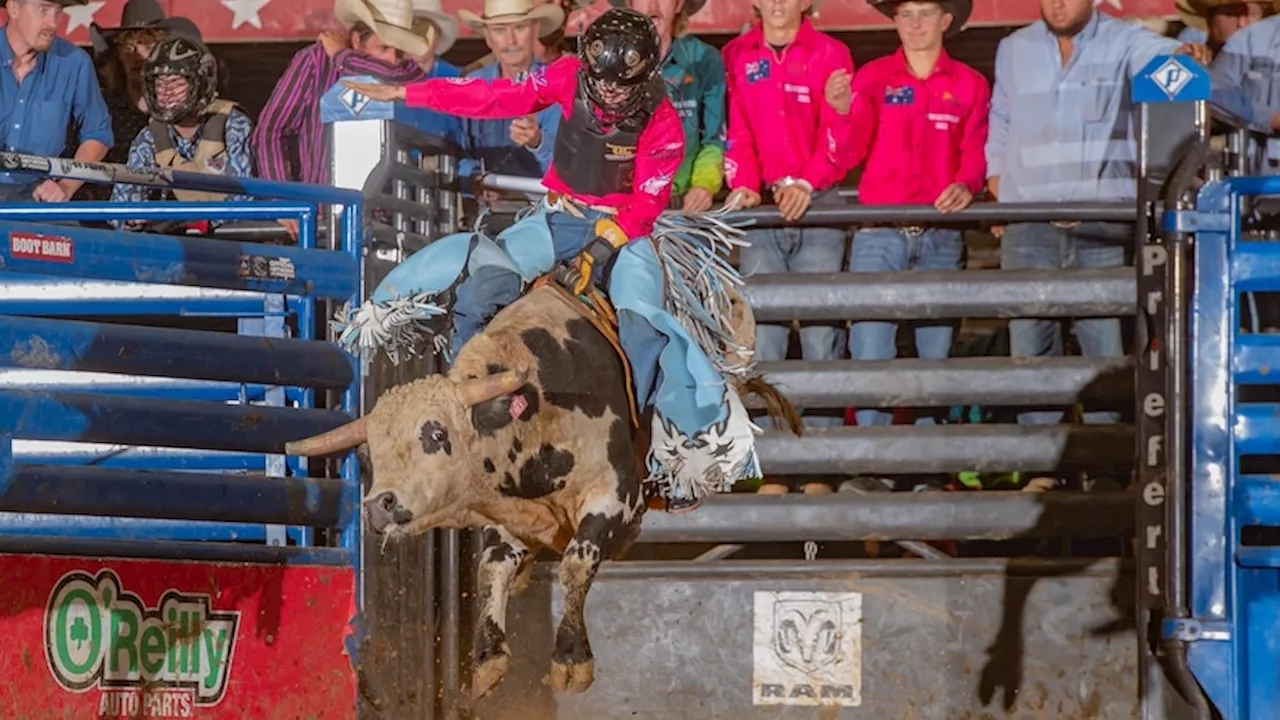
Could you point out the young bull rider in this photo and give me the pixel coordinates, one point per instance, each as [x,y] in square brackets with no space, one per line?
[190,127]
[617,151]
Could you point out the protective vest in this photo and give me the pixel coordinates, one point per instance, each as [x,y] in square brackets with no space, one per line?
[599,161]
[210,157]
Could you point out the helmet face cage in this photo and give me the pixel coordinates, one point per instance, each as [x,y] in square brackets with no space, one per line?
[620,54]
[185,58]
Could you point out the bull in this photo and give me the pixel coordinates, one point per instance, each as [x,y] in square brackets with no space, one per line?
[529,436]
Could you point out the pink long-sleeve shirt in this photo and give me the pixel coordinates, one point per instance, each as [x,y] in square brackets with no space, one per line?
[918,136]
[780,124]
[658,154]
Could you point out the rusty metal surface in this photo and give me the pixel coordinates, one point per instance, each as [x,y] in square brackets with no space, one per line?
[675,641]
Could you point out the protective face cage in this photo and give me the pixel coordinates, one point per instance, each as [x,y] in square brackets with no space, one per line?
[187,59]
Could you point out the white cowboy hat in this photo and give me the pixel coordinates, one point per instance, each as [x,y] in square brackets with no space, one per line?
[390,20]
[496,12]
[429,13]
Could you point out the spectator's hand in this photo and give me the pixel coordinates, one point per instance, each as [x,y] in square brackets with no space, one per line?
[793,202]
[997,231]
[743,199]
[955,197]
[290,227]
[333,42]
[377,91]
[525,132]
[1199,51]
[50,192]
[839,91]
[697,200]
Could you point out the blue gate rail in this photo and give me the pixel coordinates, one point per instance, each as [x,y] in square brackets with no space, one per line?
[1235,579]
[143,436]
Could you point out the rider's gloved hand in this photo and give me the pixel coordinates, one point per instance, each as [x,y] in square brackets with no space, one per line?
[593,264]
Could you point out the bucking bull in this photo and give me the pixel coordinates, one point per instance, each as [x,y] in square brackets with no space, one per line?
[530,436]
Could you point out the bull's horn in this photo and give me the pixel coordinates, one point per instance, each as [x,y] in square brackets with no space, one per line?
[342,438]
[474,392]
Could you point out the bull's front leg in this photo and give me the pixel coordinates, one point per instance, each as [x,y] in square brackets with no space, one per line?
[605,528]
[502,558]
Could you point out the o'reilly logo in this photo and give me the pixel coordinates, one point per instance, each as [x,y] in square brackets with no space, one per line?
[97,634]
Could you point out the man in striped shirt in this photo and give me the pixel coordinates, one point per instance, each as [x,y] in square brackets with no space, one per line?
[379,47]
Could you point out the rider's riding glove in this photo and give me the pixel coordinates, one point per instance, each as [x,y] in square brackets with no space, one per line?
[596,260]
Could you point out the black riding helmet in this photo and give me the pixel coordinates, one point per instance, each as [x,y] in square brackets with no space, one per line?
[621,54]
[189,59]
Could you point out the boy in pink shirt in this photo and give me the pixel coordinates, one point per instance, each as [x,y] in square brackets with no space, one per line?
[789,90]
[922,130]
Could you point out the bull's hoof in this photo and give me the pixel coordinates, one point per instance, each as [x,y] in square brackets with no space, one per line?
[571,677]
[488,674]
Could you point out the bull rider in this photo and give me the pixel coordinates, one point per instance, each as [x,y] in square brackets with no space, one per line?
[617,152]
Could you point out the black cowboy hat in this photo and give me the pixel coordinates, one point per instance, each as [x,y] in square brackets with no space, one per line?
[960,10]
[140,15]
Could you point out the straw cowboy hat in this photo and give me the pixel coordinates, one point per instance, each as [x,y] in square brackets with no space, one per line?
[497,12]
[430,20]
[960,11]
[1195,13]
[138,15]
[390,20]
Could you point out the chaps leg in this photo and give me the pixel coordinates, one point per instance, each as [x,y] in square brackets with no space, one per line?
[501,559]
[606,526]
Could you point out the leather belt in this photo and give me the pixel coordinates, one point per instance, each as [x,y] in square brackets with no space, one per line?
[575,207]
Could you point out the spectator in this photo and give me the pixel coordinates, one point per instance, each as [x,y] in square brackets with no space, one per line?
[380,33]
[694,73]
[191,128]
[120,53]
[789,131]
[552,47]
[1213,22]
[1062,131]
[922,127]
[1245,82]
[523,146]
[49,85]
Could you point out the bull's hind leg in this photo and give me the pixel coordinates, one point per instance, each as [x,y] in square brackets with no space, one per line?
[502,558]
[607,525]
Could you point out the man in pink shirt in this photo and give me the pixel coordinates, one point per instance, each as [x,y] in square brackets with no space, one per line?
[922,130]
[789,126]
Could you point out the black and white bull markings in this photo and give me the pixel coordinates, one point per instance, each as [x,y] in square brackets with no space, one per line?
[529,436]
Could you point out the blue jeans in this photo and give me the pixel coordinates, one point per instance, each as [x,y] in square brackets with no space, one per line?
[489,289]
[798,250]
[894,250]
[1045,246]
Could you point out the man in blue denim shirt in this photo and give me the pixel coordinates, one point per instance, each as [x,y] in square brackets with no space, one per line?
[523,146]
[1062,131]
[1245,83]
[46,84]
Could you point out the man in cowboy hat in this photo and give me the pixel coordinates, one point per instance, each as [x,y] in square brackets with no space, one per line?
[1213,22]
[694,73]
[921,127]
[523,146]
[48,85]
[381,37]
[550,47]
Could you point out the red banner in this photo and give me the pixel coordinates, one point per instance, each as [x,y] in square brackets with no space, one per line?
[236,21]
[95,638]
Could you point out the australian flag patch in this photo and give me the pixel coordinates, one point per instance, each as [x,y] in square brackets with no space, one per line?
[758,70]
[905,95]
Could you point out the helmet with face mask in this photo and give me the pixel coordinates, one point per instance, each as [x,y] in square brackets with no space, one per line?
[189,59]
[621,54]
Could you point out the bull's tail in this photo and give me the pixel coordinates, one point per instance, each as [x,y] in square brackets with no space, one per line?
[778,407]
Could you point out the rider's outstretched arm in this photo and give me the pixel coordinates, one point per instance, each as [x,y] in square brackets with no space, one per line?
[500,99]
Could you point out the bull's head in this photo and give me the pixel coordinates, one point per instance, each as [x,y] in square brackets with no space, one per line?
[421,441]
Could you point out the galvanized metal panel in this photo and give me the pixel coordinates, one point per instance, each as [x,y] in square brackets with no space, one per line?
[941,383]
[989,515]
[946,448]
[952,640]
[191,354]
[943,295]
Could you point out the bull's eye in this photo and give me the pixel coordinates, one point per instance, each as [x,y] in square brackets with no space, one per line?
[435,438]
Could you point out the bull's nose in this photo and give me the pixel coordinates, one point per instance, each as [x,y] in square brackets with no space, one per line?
[385,510]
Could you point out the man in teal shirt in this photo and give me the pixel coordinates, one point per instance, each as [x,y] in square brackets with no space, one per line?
[695,77]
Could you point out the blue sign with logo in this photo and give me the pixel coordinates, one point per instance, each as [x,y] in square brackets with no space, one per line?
[1172,78]
[342,103]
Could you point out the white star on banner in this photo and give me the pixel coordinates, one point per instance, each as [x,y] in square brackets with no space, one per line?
[246,12]
[80,16]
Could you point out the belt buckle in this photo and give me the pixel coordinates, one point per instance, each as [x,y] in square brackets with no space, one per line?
[912,230]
